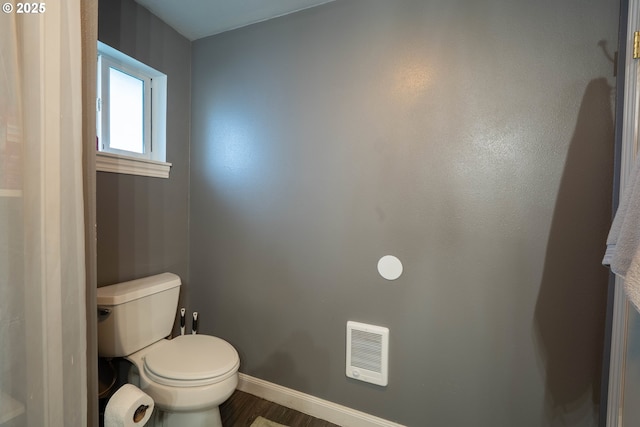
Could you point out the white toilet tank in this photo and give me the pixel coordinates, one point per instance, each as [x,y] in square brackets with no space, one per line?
[135,314]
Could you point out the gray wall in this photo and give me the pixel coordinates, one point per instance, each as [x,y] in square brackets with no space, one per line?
[473,140]
[143,222]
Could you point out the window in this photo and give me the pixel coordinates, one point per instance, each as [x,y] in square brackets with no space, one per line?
[128,118]
[131,115]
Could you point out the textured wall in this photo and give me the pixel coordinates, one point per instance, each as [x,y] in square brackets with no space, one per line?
[473,140]
[143,222]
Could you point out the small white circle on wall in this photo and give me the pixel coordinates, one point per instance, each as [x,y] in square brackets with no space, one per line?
[389,267]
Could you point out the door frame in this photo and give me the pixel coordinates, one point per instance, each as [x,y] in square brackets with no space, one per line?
[627,155]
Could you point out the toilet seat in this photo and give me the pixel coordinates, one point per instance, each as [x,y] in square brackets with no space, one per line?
[191,361]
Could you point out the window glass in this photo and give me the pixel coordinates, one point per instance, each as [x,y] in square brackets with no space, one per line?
[126,112]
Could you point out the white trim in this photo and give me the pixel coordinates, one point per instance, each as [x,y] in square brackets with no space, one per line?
[629,148]
[310,405]
[108,162]
[123,59]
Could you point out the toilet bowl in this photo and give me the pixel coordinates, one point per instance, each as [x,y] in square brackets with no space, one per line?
[188,376]
[185,374]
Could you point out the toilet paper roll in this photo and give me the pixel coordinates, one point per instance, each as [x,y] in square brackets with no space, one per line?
[129,406]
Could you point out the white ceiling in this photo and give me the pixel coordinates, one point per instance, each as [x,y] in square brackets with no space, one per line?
[195,19]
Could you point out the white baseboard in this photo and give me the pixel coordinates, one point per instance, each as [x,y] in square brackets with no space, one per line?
[310,405]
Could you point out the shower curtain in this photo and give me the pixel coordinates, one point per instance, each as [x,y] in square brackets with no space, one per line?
[43,378]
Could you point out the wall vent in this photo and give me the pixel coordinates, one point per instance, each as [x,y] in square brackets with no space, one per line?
[367,353]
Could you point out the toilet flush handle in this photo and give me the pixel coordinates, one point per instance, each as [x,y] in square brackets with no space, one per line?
[103,313]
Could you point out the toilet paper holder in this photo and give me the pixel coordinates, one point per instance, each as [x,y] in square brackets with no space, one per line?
[139,414]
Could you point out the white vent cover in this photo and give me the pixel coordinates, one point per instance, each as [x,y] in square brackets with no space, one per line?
[367,353]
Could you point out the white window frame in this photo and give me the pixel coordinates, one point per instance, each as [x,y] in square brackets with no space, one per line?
[105,63]
[152,162]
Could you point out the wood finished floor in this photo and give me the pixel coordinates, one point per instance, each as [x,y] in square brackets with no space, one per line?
[243,408]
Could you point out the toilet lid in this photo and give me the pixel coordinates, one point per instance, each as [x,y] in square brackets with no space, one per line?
[192,360]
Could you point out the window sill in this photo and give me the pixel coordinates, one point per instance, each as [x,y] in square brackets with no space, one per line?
[107,162]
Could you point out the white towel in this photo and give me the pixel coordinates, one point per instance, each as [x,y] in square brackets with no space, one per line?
[623,242]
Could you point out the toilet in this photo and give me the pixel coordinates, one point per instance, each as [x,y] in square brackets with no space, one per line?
[188,376]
